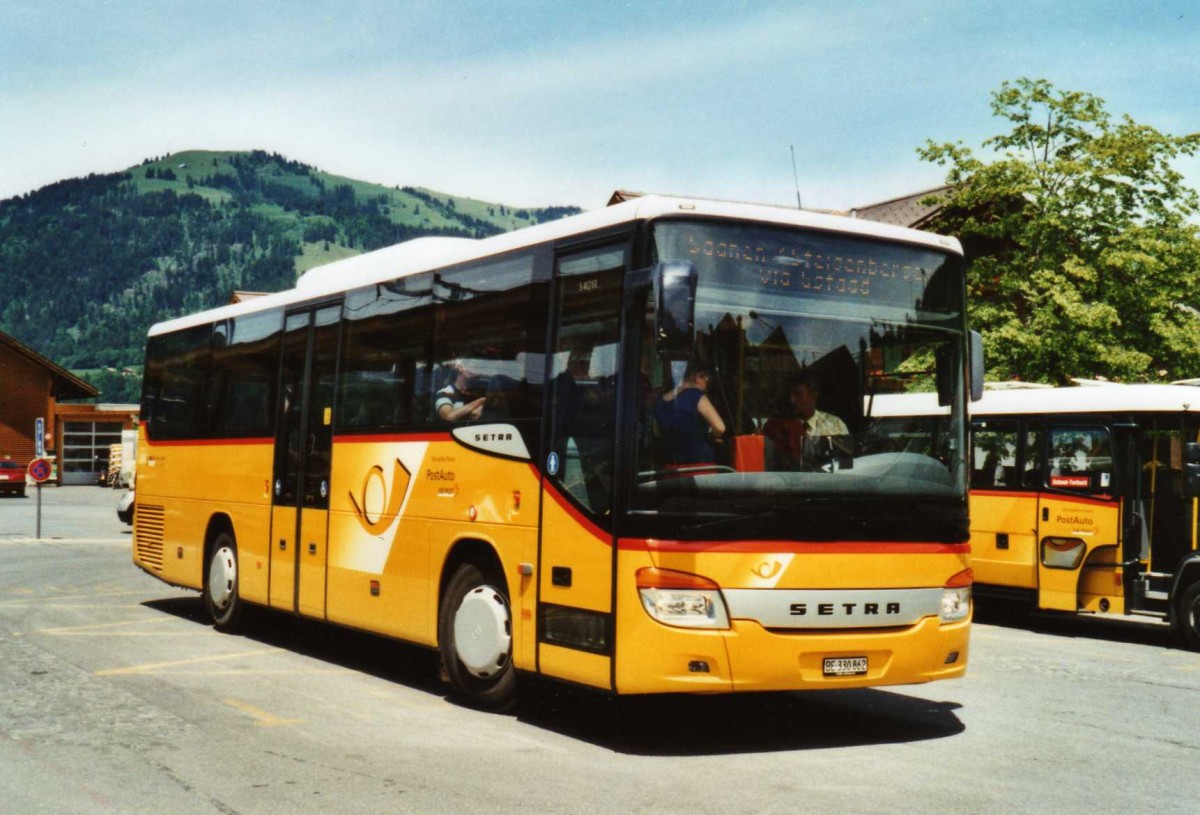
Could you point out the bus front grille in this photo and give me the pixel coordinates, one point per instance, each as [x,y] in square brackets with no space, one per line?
[148,535]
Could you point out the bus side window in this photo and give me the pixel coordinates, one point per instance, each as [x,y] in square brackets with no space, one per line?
[385,343]
[489,333]
[1081,459]
[994,455]
[584,373]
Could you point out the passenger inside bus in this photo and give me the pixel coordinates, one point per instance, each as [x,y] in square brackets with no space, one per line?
[684,417]
[463,399]
[797,425]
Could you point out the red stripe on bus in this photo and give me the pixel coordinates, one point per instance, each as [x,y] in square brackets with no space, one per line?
[577,516]
[1099,500]
[369,438]
[210,442]
[797,547]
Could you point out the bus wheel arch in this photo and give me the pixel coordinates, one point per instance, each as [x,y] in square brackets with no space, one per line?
[222,599]
[475,627]
[1187,614]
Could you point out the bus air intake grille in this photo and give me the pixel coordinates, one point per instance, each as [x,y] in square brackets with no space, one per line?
[148,535]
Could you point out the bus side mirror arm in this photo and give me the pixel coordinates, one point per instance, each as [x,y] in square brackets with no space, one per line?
[675,312]
[1191,470]
[975,346]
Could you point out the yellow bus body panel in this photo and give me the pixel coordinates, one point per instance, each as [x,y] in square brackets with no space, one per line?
[398,507]
[1096,582]
[655,658]
[234,480]
[586,551]
[1012,514]
[1102,581]
[1095,522]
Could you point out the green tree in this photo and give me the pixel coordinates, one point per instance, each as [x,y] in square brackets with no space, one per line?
[1082,259]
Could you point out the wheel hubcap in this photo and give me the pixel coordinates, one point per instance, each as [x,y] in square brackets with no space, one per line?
[482,633]
[222,577]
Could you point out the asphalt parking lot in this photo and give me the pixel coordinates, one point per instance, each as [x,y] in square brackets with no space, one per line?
[68,513]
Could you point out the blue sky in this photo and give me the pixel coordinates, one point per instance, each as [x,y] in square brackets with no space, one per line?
[540,103]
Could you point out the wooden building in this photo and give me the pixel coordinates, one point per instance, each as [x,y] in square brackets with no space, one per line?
[77,435]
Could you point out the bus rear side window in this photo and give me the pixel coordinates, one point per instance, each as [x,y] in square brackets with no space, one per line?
[174,401]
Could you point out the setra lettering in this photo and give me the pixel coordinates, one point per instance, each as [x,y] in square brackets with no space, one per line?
[486,437]
[846,609]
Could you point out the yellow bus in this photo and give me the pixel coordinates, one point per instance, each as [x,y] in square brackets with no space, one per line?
[1081,500]
[474,446]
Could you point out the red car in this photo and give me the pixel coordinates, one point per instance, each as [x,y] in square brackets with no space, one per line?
[12,477]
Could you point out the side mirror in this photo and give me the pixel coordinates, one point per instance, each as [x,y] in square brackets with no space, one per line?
[675,316]
[1191,470]
[978,372]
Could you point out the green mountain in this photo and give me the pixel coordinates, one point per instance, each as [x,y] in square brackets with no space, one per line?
[88,264]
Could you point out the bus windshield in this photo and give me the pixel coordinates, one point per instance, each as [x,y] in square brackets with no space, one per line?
[773,426]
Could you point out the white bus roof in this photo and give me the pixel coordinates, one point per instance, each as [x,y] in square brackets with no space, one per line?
[1106,398]
[424,254]
[1110,397]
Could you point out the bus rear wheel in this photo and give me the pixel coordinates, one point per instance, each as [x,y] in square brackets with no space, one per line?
[221,599]
[1189,616]
[475,638]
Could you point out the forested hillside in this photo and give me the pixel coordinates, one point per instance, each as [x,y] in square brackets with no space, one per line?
[88,264]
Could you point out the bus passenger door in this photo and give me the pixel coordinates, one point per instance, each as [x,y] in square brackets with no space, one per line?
[303,446]
[1078,513]
[1005,476]
[577,553]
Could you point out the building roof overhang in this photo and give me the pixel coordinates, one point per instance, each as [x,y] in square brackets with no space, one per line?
[64,384]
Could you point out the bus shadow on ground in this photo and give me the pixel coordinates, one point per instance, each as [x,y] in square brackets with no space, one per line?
[1136,630]
[664,725]
[684,725]
[360,651]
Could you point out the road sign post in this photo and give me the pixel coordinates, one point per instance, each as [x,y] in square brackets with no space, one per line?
[39,471]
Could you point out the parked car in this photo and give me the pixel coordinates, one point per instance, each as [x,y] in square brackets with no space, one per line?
[125,507]
[12,476]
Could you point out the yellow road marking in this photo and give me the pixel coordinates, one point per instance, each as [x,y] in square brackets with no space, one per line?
[81,605]
[91,596]
[266,672]
[73,629]
[133,634]
[151,667]
[260,716]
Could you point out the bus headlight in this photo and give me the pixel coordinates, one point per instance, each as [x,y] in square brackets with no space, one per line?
[682,599]
[956,597]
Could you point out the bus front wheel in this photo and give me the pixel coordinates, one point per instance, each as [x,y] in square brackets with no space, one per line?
[1189,616]
[475,638]
[221,598]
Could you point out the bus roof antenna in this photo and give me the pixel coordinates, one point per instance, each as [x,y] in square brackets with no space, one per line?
[795,176]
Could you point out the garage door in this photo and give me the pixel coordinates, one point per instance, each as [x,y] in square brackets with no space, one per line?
[85,447]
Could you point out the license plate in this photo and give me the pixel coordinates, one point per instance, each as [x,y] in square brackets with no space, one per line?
[845,666]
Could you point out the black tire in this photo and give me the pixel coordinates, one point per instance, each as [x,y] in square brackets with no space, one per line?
[1188,617]
[221,599]
[480,666]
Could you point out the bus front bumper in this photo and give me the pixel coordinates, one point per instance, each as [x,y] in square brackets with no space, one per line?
[748,657]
